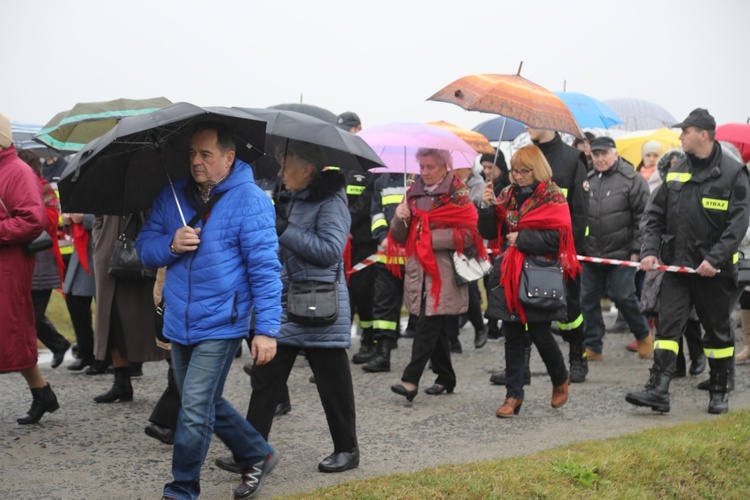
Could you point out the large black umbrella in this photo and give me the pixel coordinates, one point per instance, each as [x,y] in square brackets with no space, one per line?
[308,109]
[122,171]
[340,148]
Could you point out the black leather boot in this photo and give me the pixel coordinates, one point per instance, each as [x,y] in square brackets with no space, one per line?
[498,378]
[366,347]
[579,365]
[121,390]
[656,392]
[719,385]
[381,361]
[44,400]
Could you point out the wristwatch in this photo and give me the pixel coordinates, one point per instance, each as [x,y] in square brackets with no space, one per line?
[171,248]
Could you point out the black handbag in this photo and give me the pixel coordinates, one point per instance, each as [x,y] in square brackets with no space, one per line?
[743,271]
[313,303]
[542,284]
[124,262]
[41,242]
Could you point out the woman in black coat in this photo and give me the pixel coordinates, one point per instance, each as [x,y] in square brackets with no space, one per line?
[529,218]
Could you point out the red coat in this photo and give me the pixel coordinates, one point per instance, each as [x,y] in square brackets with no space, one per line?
[21,192]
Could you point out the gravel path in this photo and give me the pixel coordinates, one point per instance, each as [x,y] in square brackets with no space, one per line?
[88,450]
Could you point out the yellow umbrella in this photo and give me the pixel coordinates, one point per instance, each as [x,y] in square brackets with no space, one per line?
[474,139]
[629,145]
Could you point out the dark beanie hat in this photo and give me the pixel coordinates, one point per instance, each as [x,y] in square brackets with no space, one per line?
[491,158]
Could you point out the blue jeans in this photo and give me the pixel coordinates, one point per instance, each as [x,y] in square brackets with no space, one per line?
[200,371]
[619,283]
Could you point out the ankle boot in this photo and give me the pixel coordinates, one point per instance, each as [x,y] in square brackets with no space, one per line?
[560,394]
[121,390]
[43,400]
[579,366]
[744,355]
[656,392]
[366,348]
[381,361]
[719,385]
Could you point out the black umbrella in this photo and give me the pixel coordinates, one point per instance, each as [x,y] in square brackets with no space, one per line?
[340,148]
[308,109]
[122,171]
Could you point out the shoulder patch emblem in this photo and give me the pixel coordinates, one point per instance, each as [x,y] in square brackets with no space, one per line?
[586,186]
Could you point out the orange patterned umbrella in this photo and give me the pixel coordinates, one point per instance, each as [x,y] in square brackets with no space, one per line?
[512,96]
[474,139]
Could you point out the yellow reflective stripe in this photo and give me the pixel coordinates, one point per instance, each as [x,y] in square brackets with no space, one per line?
[587,231]
[378,223]
[572,325]
[715,204]
[735,258]
[394,260]
[385,325]
[668,345]
[392,199]
[565,191]
[679,176]
[365,324]
[66,249]
[724,353]
[331,167]
[352,189]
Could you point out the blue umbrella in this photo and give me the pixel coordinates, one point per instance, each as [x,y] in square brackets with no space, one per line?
[23,131]
[491,129]
[589,112]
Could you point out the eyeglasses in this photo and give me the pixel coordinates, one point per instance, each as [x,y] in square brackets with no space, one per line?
[523,172]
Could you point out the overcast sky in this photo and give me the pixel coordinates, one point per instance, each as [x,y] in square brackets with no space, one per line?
[381,59]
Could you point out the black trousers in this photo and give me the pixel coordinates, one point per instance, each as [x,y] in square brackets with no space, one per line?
[79,308]
[332,378]
[430,343]
[474,313]
[515,342]
[165,412]
[388,298]
[45,330]
[361,285]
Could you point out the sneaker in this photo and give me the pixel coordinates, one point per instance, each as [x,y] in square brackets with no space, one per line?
[254,477]
[633,346]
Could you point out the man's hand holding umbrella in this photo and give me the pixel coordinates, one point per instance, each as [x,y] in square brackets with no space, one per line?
[185,240]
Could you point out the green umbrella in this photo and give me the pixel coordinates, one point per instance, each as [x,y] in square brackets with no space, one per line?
[69,131]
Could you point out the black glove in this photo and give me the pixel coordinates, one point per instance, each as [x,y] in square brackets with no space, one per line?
[282,221]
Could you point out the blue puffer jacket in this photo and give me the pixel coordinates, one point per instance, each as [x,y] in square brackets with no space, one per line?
[311,249]
[209,293]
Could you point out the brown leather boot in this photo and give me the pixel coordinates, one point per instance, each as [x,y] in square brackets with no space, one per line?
[646,347]
[744,355]
[560,394]
[510,407]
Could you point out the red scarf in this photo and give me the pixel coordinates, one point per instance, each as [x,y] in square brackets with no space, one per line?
[81,244]
[52,209]
[547,208]
[459,218]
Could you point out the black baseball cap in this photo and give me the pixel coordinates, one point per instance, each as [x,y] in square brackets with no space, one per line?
[698,118]
[347,120]
[602,143]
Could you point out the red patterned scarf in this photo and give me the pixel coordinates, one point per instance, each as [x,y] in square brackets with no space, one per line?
[547,208]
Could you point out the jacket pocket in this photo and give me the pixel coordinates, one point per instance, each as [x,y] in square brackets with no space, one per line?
[235,312]
[666,248]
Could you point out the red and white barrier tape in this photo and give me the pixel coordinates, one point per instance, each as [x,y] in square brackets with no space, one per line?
[629,263]
[366,262]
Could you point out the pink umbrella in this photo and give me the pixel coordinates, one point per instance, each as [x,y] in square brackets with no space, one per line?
[397,143]
[738,134]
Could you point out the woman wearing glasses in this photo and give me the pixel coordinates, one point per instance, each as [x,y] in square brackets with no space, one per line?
[529,218]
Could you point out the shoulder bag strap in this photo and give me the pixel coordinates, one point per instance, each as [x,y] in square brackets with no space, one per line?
[204,209]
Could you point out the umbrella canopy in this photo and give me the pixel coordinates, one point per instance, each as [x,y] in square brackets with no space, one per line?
[738,134]
[629,145]
[23,131]
[340,148]
[589,112]
[122,171]
[638,114]
[69,131]
[491,129]
[308,109]
[397,143]
[474,139]
[512,96]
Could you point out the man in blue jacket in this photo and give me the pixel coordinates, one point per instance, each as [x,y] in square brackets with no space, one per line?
[217,273]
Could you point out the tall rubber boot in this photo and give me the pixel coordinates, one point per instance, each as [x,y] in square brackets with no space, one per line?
[121,390]
[719,385]
[579,365]
[44,400]
[381,361]
[656,392]
[366,347]
[498,378]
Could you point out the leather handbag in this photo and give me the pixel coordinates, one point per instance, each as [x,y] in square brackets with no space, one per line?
[313,303]
[468,268]
[542,284]
[41,242]
[743,271]
[124,262]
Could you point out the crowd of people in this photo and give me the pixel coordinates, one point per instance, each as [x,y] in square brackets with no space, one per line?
[256,250]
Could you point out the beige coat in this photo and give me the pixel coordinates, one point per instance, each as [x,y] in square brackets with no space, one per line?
[454,299]
[134,299]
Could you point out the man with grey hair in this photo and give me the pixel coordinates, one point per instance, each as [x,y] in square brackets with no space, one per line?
[618,196]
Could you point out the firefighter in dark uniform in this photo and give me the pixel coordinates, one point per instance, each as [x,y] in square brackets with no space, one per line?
[569,173]
[697,219]
[388,292]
